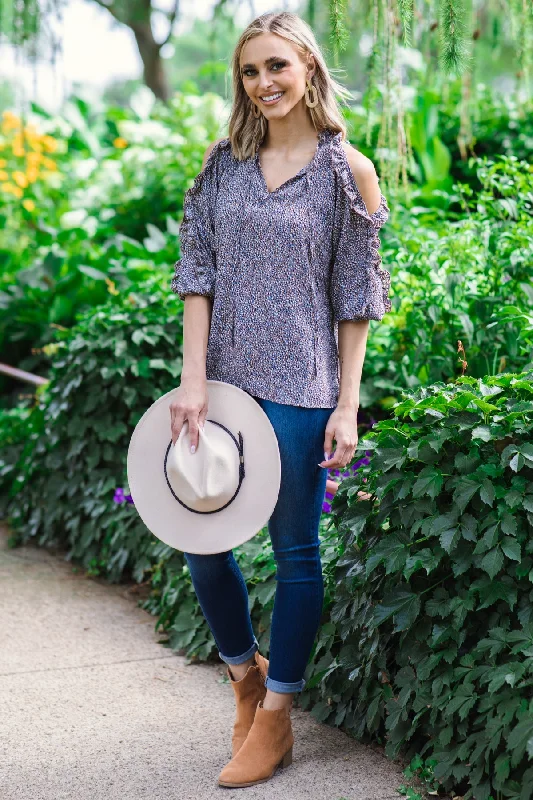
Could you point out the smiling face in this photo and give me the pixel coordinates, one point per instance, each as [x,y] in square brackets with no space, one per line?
[271,68]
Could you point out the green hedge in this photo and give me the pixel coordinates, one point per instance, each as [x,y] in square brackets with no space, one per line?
[430,644]
[105,372]
[67,456]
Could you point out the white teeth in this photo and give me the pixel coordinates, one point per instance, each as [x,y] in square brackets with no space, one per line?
[272,96]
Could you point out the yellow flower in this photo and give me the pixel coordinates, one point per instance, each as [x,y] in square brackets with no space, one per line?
[20,178]
[32,174]
[28,204]
[18,152]
[33,158]
[49,164]
[9,188]
[3,175]
[3,162]
[120,143]
[50,144]
[10,121]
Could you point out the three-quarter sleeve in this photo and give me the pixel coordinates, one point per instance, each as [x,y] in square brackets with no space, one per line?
[195,271]
[359,285]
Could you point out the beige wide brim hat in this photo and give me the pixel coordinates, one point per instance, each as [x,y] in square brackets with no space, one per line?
[218,497]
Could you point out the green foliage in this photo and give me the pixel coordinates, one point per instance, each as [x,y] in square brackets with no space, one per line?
[104,222]
[106,372]
[430,645]
[67,455]
[466,279]
[13,431]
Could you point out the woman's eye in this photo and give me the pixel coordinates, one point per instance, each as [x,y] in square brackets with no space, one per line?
[277,64]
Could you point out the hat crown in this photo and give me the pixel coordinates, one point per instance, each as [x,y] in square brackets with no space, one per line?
[207,479]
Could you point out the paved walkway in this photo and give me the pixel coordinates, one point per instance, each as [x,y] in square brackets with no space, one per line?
[91,707]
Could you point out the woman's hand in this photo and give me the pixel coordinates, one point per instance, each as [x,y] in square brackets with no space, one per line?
[342,426]
[190,403]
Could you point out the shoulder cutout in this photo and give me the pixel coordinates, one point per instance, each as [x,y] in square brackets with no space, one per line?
[356,175]
[365,176]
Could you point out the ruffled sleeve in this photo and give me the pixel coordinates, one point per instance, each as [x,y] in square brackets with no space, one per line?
[359,285]
[195,272]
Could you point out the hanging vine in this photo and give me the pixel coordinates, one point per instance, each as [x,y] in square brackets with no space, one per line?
[446,32]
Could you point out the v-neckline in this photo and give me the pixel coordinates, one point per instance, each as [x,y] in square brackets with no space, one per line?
[304,169]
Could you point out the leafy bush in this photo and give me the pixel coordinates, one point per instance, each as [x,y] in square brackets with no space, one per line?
[68,456]
[100,219]
[430,645]
[105,373]
[13,431]
[467,280]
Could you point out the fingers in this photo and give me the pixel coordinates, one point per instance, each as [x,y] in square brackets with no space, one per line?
[177,420]
[328,446]
[202,417]
[176,424]
[193,434]
[341,457]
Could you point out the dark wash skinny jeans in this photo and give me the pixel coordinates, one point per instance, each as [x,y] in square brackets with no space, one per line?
[293,528]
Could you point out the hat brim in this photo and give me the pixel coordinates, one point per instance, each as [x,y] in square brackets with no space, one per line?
[251,509]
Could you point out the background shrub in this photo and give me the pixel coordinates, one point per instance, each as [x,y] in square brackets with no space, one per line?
[430,645]
[66,457]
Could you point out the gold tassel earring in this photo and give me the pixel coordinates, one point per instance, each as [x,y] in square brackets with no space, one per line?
[310,88]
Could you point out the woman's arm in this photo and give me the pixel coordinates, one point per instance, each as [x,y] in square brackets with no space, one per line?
[342,425]
[352,338]
[191,402]
[197,310]
[353,335]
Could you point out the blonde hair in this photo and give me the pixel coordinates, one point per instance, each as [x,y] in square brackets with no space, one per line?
[245,131]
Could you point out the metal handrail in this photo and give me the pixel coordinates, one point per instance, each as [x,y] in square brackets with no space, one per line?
[21,375]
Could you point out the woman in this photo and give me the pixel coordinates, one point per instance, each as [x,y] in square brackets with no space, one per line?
[279,273]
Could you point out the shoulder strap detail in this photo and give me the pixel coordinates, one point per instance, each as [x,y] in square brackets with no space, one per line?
[377,219]
[344,173]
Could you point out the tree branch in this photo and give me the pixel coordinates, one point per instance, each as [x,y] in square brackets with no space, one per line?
[112,10]
[171,19]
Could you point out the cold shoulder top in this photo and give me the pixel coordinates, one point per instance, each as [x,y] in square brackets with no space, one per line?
[283,268]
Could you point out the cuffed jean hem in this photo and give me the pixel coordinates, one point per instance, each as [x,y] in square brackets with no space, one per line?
[285,688]
[239,659]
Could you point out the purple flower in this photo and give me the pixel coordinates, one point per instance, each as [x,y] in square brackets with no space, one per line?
[120,497]
[326,507]
[329,495]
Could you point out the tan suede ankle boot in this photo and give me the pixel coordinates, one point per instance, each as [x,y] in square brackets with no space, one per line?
[267,747]
[248,692]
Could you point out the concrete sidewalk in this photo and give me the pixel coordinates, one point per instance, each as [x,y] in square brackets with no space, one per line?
[91,707]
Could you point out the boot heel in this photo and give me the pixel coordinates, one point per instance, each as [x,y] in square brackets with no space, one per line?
[286,760]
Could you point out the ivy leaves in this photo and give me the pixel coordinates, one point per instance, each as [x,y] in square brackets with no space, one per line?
[436,580]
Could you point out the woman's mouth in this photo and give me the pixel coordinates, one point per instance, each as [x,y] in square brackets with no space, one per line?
[271,99]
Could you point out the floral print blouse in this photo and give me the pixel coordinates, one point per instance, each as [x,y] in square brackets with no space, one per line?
[282,267]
